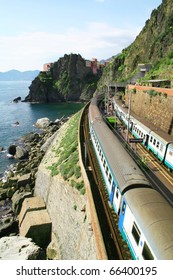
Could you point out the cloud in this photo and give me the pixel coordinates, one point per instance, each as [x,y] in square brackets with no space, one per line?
[32,50]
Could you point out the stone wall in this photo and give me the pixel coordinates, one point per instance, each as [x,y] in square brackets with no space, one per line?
[68,210]
[156,107]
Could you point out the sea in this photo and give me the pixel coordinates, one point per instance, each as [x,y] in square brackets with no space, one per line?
[25,114]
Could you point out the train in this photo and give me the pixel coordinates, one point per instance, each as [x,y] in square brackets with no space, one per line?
[155,140]
[145,218]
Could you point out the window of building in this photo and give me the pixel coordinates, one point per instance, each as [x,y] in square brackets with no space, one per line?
[146,253]
[136,233]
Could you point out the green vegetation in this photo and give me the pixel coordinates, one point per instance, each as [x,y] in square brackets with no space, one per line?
[63,83]
[153,46]
[45,77]
[163,68]
[67,164]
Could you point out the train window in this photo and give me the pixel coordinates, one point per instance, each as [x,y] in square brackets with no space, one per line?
[151,139]
[157,146]
[123,207]
[104,163]
[102,157]
[117,194]
[154,142]
[136,233]
[161,147]
[110,178]
[100,152]
[170,153]
[107,170]
[146,253]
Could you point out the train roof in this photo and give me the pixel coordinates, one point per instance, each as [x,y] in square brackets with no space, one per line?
[146,123]
[154,216]
[128,174]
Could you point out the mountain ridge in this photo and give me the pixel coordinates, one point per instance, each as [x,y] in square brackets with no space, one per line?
[16,75]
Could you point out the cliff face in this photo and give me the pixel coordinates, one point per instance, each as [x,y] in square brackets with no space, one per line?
[68,80]
[152,45]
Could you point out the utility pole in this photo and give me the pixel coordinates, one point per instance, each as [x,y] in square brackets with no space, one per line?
[108,100]
[129,113]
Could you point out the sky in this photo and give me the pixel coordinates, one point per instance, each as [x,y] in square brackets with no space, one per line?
[34,32]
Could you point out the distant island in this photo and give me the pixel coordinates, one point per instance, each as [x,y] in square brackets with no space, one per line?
[15,75]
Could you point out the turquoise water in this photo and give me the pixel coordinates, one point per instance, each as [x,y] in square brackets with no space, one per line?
[26,114]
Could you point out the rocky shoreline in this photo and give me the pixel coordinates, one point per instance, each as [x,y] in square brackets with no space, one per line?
[18,183]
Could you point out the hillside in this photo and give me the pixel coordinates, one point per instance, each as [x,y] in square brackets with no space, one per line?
[15,75]
[153,45]
[68,80]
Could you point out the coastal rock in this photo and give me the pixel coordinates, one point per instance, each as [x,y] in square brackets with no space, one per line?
[24,180]
[1,148]
[17,99]
[3,194]
[31,137]
[21,153]
[68,79]
[17,200]
[42,123]
[19,248]
[12,149]
[8,225]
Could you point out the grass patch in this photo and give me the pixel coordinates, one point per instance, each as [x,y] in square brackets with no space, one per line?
[67,156]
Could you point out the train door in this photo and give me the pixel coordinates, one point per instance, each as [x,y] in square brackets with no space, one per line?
[131,126]
[122,214]
[146,140]
[112,193]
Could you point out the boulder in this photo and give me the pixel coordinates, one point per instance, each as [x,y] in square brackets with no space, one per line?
[17,99]
[30,137]
[21,153]
[3,194]
[24,180]
[1,148]
[12,149]
[8,225]
[42,123]
[17,200]
[19,248]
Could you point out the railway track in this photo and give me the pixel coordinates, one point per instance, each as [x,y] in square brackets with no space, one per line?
[114,244]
